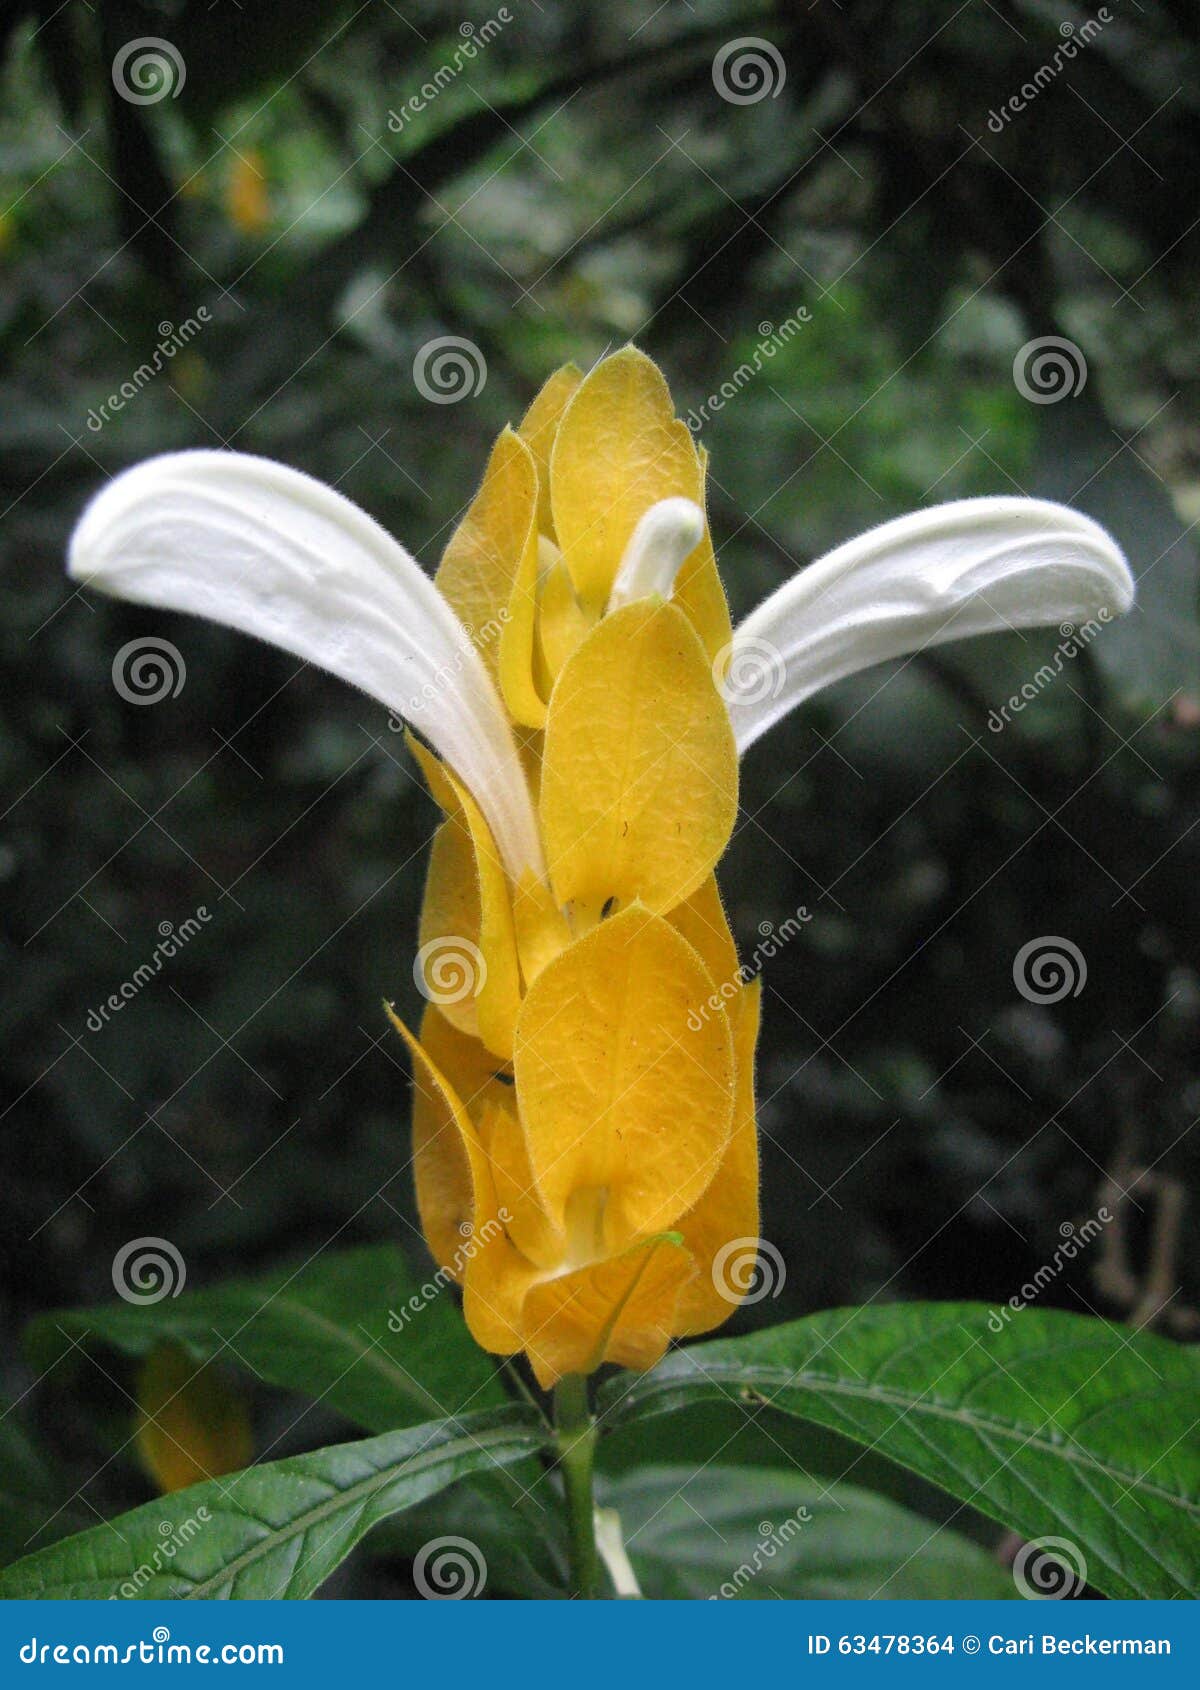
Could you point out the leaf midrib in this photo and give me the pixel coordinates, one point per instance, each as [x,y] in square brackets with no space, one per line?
[819,1383]
[415,1465]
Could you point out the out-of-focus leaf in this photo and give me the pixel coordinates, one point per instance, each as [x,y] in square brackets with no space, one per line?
[322,1329]
[762,1533]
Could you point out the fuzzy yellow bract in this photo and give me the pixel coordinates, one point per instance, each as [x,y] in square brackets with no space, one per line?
[584,1128]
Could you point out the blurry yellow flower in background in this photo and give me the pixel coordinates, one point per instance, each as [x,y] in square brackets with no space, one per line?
[192,1422]
[247,199]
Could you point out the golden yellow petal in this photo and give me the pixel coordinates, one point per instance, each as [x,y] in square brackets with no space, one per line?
[728,1210]
[620,449]
[702,921]
[518,642]
[699,594]
[481,561]
[625,1091]
[538,428]
[621,1310]
[453,1184]
[563,624]
[639,774]
[449,914]
[541,927]
[487,964]
[472,1070]
[456,1193]
[519,1207]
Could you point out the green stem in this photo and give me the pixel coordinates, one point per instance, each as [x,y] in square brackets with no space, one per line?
[576,1441]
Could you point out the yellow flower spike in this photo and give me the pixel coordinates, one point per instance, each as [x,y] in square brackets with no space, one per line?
[728,1210]
[192,1423]
[495,974]
[621,1310]
[619,449]
[626,1104]
[698,591]
[538,429]
[484,554]
[639,775]
[585,1201]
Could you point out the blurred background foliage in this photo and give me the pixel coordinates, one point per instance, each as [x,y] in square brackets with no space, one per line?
[927,1131]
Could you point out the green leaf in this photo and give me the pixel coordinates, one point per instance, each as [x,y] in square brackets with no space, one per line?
[322,1330]
[767,1533]
[1056,1425]
[31,1491]
[274,1531]
[519,1528]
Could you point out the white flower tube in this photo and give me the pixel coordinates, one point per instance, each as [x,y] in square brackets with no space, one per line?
[274,553]
[976,566]
[663,538]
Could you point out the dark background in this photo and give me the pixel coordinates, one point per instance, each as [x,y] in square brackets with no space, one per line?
[928,1132]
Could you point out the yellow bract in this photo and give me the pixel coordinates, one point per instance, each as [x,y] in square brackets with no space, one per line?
[639,778]
[584,1139]
[539,426]
[620,448]
[626,1108]
[486,964]
[482,560]
[700,595]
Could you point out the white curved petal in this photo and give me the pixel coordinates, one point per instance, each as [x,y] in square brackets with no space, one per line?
[271,552]
[664,536]
[975,566]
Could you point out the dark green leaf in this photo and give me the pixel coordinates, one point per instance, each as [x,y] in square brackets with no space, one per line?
[31,1493]
[275,1531]
[763,1533]
[514,1518]
[322,1330]
[1056,1425]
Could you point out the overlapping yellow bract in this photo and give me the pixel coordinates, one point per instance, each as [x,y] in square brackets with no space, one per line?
[584,1130]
